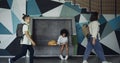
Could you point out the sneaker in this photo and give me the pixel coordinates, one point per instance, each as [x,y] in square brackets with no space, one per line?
[106,62]
[66,57]
[85,61]
[11,61]
[61,57]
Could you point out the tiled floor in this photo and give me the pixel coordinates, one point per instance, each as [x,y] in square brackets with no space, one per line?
[92,59]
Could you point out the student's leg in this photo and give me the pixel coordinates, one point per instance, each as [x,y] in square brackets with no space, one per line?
[99,50]
[23,53]
[88,49]
[30,48]
[61,49]
[67,49]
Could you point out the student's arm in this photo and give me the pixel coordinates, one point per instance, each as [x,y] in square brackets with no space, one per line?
[59,39]
[94,41]
[28,36]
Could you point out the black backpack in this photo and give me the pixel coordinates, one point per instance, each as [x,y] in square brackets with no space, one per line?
[19,32]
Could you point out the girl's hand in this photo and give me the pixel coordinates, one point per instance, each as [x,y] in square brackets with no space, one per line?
[93,41]
[58,43]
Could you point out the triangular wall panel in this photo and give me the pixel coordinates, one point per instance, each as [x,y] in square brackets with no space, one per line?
[4,30]
[68,12]
[32,8]
[54,12]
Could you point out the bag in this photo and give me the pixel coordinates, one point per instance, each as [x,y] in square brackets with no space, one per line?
[52,43]
[19,32]
[85,30]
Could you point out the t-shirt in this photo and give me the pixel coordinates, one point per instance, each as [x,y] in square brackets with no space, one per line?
[94,28]
[25,40]
[62,40]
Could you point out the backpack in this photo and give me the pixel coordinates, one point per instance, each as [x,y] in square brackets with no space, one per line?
[19,32]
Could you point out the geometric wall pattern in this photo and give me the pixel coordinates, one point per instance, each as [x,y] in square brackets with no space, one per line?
[10,15]
[11,12]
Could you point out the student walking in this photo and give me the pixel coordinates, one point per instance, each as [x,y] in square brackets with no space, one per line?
[26,42]
[93,40]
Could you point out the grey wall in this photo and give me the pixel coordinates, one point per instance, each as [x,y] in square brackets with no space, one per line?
[44,30]
[48,29]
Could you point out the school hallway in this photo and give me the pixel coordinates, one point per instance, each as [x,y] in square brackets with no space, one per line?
[92,59]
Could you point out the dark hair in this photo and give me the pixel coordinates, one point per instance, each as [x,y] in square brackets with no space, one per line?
[94,16]
[64,31]
[24,16]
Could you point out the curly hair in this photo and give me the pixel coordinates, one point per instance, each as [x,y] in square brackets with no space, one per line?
[64,31]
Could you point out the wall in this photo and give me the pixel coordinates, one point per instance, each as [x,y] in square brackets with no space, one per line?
[11,12]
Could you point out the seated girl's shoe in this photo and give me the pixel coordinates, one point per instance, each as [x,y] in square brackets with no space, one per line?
[85,61]
[61,57]
[66,57]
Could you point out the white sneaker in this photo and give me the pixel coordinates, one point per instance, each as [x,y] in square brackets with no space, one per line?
[85,61]
[61,57]
[106,62]
[66,57]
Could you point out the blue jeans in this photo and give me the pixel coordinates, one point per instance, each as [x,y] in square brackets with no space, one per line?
[97,47]
[24,51]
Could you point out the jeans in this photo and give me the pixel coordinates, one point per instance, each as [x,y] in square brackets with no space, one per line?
[97,47]
[24,51]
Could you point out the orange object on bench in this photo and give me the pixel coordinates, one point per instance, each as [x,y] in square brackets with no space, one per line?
[52,43]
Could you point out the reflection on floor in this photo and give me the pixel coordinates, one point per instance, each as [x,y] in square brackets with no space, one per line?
[92,59]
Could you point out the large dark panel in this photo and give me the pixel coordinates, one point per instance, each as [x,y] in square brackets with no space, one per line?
[48,29]
[44,30]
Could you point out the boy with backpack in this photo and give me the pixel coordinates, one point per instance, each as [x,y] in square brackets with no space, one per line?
[26,41]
